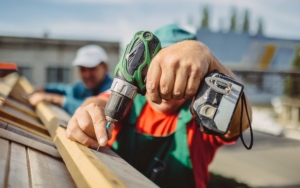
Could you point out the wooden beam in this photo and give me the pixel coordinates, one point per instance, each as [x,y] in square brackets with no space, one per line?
[47,171]
[18,175]
[20,118]
[21,90]
[90,169]
[9,121]
[21,107]
[6,84]
[29,142]
[14,129]
[4,158]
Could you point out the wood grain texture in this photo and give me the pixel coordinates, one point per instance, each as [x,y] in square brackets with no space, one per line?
[21,90]
[128,174]
[23,127]
[4,160]
[48,172]
[12,103]
[21,118]
[29,142]
[18,175]
[6,84]
[26,134]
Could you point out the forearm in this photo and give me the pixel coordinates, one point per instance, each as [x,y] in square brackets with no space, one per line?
[234,128]
[57,88]
[54,99]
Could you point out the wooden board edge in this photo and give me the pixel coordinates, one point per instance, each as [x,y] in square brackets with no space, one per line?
[35,126]
[29,142]
[27,112]
[85,168]
[10,81]
[18,125]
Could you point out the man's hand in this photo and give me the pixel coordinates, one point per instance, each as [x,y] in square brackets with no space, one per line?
[88,126]
[176,71]
[37,97]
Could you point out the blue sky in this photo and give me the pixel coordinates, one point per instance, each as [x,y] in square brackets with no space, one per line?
[118,20]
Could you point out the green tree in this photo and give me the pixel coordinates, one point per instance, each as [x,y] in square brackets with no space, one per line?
[260,28]
[292,83]
[246,23]
[205,18]
[233,20]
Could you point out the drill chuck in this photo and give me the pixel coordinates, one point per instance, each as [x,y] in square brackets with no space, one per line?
[122,95]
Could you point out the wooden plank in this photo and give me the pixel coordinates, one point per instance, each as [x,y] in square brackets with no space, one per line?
[21,90]
[7,84]
[24,133]
[48,172]
[121,168]
[23,127]
[11,79]
[21,115]
[85,167]
[4,159]
[18,168]
[29,142]
[1,100]
[21,118]
[4,91]
[20,107]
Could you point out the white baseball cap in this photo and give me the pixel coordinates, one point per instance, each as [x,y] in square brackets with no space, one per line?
[90,56]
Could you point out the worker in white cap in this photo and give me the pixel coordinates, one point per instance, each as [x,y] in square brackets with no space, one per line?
[91,61]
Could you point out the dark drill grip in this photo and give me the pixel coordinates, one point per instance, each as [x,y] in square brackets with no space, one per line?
[117,105]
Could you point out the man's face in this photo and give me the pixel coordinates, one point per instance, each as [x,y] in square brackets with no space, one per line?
[91,77]
[167,107]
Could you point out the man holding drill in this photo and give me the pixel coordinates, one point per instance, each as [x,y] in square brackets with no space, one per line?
[159,129]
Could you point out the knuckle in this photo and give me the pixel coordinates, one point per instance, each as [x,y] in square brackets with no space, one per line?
[85,125]
[164,90]
[189,92]
[92,105]
[79,110]
[71,127]
[177,94]
[158,57]
[150,87]
[99,120]
[85,141]
[69,134]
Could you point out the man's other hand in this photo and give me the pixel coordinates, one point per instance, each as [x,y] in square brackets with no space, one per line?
[88,126]
[37,97]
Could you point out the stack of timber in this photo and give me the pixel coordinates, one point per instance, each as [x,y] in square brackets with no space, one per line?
[36,153]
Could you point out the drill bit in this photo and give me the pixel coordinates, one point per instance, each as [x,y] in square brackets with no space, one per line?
[108,125]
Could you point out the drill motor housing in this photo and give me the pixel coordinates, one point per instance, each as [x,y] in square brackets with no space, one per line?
[130,74]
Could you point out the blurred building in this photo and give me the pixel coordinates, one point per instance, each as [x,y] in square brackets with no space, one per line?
[44,60]
[262,63]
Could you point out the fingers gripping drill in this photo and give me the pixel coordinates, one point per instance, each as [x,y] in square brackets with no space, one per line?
[130,74]
[212,107]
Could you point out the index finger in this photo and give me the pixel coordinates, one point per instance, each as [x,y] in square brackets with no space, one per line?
[99,122]
[152,82]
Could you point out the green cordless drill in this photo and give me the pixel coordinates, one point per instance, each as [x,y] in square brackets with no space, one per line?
[130,74]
